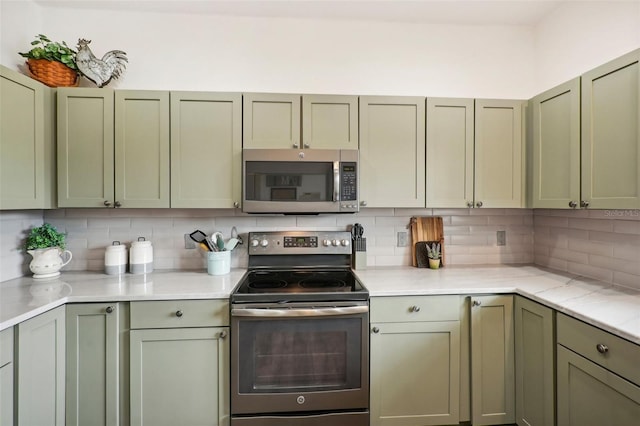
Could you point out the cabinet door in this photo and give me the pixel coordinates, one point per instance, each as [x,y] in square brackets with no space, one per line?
[556,147]
[498,153]
[26,143]
[589,395]
[415,373]
[492,360]
[206,150]
[180,376]
[611,135]
[41,368]
[92,364]
[85,147]
[534,339]
[142,149]
[6,376]
[450,143]
[271,120]
[330,121]
[392,151]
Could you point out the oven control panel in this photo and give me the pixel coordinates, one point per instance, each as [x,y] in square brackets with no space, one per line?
[299,242]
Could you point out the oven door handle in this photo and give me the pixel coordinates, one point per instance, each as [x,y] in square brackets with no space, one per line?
[299,312]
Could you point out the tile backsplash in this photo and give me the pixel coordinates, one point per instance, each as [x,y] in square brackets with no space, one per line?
[599,243]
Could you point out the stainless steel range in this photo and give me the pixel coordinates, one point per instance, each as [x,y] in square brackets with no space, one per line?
[299,334]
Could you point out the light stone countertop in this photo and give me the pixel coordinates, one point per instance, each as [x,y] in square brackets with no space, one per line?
[612,308]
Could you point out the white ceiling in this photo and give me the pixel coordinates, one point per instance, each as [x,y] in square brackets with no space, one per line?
[461,12]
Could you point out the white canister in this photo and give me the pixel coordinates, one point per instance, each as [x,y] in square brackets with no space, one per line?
[115,259]
[141,257]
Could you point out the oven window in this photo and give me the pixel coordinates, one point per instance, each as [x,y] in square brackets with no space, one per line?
[299,354]
[289,181]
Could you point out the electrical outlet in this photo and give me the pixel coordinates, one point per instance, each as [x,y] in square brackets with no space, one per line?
[402,239]
[189,243]
[502,238]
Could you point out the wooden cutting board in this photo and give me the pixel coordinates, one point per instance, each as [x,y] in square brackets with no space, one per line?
[426,228]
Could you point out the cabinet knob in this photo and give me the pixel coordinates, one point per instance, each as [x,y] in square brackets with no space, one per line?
[295,145]
[573,204]
[603,349]
[223,334]
[306,145]
[109,309]
[363,203]
[375,330]
[479,204]
[107,203]
[584,204]
[469,204]
[476,303]
[236,204]
[117,204]
[414,309]
[178,313]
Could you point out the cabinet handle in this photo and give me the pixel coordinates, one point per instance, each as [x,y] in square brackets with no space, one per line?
[469,204]
[476,303]
[584,204]
[573,204]
[479,204]
[178,313]
[223,334]
[603,349]
[414,309]
[376,330]
[117,204]
[107,203]
[109,309]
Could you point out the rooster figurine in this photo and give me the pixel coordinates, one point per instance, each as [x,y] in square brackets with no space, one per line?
[101,72]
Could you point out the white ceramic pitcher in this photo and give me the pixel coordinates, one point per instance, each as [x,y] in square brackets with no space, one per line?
[47,262]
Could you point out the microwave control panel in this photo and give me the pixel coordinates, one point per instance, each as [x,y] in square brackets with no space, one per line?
[348,182]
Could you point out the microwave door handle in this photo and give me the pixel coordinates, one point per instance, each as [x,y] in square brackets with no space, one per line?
[336,181]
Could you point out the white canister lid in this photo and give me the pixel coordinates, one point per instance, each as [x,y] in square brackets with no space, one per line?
[116,247]
[141,243]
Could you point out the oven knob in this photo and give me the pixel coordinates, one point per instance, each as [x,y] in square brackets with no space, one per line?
[336,243]
[345,243]
[264,243]
[326,243]
[254,243]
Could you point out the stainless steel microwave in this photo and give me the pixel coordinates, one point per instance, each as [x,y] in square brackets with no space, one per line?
[300,181]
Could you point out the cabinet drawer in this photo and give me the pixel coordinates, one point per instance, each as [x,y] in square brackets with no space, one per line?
[415,308]
[6,346]
[179,313]
[620,356]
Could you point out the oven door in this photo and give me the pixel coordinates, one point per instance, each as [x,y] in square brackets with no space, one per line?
[294,359]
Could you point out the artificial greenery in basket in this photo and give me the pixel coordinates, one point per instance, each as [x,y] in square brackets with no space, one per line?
[45,236]
[52,63]
[44,48]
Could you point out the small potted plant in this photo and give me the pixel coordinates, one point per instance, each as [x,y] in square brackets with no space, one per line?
[47,246]
[434,255]
[52,63]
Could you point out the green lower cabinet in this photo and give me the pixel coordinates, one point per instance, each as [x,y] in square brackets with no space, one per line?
[535,373]
[179,376]
[590,395]
[41,370]
[6,377]
[93,351]
[492,360]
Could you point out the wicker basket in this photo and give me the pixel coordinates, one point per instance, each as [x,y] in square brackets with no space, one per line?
[52,73]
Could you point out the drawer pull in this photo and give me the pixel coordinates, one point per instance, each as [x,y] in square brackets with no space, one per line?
[223,334]
[414,309]
[476,303]
[375,330]
[603,349]
[109,309]
[178,313]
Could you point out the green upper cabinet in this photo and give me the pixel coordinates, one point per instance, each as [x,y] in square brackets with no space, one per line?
[392,151]
[499,157]
[113,148]
[271,120]
[474,153]
[450,144]
[27,158]
[206,149]
[85,147]
[611,134]
[330,121]
[556,147]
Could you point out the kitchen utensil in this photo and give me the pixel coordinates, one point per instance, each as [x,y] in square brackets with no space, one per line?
[427,228]
[234,234]
[218,241]
[200,237]
[232,243]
